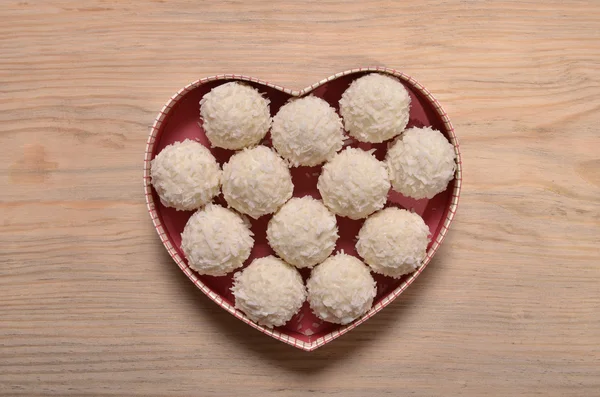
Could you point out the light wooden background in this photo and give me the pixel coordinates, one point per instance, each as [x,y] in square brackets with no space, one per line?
[90,302]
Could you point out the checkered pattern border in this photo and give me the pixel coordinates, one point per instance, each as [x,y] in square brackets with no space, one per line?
[308,346]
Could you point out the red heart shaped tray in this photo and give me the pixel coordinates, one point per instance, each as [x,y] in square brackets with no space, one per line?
[179,119]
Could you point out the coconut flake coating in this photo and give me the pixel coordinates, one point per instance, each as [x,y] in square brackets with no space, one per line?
[256,181]
[375,108]
[307,131]
[235,116]
[341,289]
[216,241]
[421,163]
[303,232]
[269,291]
[393,242]
[185,175]
[354,184]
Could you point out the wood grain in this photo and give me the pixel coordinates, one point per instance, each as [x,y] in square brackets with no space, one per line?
[91,304]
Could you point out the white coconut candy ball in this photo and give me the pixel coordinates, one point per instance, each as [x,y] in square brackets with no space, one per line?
[216,241]
[375,108]
[303,232]
[307,131]
[269,291]
[235,116]
[354,184]
[185,175]
[256,181]
[393,242]
[341,289]
[421,163]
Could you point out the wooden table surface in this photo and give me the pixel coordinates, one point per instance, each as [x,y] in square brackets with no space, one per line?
[91,304]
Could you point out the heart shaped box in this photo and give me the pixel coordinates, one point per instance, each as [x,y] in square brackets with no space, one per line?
[179,119]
